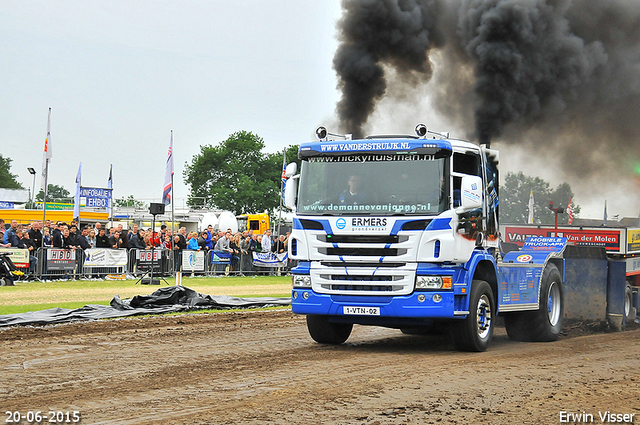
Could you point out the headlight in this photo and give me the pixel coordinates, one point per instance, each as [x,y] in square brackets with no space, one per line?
[301,281]
[432,282]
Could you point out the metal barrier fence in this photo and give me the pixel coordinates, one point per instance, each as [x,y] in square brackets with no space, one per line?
[105,263]
[142,261]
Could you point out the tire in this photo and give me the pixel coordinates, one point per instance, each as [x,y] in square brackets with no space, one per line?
[475,331]
[544,324]
[629,310]
[325,332]
[6,281]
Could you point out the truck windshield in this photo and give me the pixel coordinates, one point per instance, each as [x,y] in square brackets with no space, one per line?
[373,184]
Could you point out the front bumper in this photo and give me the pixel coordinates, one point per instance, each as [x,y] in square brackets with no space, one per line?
[305,301]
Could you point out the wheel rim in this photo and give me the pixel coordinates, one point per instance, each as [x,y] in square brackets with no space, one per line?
[627,304]
[554,304]
[484,316]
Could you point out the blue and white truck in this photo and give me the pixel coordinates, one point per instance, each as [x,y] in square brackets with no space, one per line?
[402,232]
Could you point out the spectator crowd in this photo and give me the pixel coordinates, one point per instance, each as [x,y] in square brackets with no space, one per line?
[240,245]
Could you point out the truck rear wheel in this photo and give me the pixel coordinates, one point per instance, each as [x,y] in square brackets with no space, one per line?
[629,310]
[475,331]
[326,332]
[545,323]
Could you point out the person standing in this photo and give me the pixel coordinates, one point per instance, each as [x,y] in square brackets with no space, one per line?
[102,241]
[11,230]
[179,244]
[246,258]
[31,247]
[35,234]
[56,236]
[83,239]
[279,245]
[267,244]
[91,237]
[115,241]
[47,237]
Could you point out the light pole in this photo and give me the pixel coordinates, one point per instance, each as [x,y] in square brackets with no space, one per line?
[33,191]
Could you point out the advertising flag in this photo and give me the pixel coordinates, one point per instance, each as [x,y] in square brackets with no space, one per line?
[604,221]
[168,175]
[46,158]
[530,219]
[284,169]
[110,186]
[570,210]
[76,198]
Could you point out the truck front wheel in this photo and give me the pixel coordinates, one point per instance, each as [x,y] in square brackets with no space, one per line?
[545,323]
[326,332]
[474,332]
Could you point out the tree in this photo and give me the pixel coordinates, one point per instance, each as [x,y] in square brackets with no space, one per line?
[514,200]
[129,202]
[8,180]
[236,175]
[54,193]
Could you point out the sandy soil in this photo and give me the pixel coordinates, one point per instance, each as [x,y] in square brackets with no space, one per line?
[263,368]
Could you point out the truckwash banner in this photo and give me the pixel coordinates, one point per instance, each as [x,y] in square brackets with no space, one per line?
[269,259]
[96,197]
[105,257]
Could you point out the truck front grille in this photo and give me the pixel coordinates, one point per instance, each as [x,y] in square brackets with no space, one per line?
[369,252]
[363,280]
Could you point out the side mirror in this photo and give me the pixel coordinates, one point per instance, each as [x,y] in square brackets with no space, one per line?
[470,194]
[291,190]
[291,170]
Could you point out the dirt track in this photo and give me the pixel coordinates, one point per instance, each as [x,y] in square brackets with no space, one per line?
[262,367]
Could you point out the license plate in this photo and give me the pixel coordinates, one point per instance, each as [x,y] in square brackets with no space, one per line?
[362,311]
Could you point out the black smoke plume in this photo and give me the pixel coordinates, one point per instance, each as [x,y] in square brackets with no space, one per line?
[397,33]
[563,75]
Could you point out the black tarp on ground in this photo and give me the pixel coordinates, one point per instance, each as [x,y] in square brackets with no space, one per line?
[165,300]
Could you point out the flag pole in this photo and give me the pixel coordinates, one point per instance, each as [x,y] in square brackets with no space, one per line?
[110,186]
[284,165]
[173,222]
[167,190]
[76,198]
[44,203]
[47,156]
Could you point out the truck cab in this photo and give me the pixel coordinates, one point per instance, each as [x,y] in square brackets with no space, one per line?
[398,232]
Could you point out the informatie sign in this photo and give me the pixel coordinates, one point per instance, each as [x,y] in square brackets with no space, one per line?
[192,261]
[105,257]
[61,259]
[610,239]
[96,197]
[20,257]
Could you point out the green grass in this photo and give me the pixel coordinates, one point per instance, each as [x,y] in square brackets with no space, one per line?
[35,296]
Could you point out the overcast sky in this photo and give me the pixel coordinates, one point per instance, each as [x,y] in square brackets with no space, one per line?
[119,76]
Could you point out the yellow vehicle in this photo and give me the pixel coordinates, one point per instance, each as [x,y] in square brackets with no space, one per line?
[256,222]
